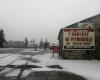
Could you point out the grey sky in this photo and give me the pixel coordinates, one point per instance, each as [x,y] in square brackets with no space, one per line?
[42,18]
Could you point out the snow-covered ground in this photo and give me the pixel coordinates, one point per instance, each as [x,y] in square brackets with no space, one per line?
[6,48]
[90,69]
[32,50]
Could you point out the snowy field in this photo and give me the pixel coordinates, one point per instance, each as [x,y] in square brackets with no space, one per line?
[90,69]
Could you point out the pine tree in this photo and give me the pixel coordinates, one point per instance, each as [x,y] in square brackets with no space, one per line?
[2,38]
[26,42]
[33,43]
[36,47]
[46,44]
[41,44]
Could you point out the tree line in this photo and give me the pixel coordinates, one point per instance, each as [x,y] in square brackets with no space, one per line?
[35,45]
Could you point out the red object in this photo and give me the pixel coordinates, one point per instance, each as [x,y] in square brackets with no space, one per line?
[77,29]
[55,49]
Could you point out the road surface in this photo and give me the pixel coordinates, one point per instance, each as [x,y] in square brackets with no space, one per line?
[18,64]
[14,62]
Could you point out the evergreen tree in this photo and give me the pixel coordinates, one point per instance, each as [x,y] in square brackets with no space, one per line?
[36,47]
[26,42]
[46,44]
[41,44]
[33,43]
[2,38]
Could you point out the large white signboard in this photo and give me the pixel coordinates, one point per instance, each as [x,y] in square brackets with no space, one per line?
[79,38]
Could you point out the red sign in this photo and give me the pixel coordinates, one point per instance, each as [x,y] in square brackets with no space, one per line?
[55,49]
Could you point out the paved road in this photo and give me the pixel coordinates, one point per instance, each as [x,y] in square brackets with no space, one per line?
[10,50]
[15,61]
[18,64]
[23,51]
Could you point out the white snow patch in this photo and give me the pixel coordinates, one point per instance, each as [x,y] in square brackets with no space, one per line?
[27,56]
[44,69]
[31,63]
[15,72]
[7,60]
[19,62]
[4,55]
[6,48]
[26,73]
[89,69]
[46,59]
[30,50]
[5,70]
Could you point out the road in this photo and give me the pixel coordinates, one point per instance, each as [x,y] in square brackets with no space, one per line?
[19,64]
[14,61]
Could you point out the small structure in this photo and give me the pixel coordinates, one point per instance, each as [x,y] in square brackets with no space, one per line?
[55,48]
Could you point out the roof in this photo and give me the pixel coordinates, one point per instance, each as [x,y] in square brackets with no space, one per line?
[94,19]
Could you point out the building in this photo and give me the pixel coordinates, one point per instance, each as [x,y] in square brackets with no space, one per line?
[30,44]
[82,54]
[14,44]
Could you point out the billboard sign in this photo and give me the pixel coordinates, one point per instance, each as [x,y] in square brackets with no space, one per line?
[79,38]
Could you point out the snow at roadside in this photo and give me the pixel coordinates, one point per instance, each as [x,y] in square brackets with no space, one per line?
[4,55]
[6,48]
[8,60]
[31,50]
[90,69]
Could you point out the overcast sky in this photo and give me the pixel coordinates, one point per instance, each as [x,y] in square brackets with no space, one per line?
[42,18]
